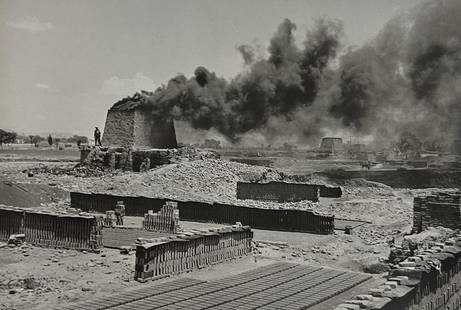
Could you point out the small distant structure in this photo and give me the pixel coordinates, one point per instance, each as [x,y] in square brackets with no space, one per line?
[130,124]
[331,146]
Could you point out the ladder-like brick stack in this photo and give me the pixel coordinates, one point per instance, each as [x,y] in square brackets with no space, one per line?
[10,222]
[52,230]
[188,251]
[166,220]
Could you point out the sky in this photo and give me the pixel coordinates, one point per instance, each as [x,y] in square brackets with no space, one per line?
[64,63]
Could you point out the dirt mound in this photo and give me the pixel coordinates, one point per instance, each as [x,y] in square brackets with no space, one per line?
[29,195]
[206,180]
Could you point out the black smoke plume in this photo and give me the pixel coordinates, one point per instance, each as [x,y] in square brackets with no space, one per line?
[278,86]
[406,79]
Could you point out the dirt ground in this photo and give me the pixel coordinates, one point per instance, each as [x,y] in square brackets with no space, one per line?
[42,278]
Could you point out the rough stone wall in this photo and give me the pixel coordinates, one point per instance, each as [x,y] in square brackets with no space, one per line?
[189,251]
[441,209]
[429,280]
[119,129]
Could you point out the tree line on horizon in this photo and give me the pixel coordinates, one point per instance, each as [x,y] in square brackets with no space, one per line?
[8,137]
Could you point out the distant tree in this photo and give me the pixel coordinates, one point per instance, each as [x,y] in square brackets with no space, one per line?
[50,140]
[7,136]
[77,139]
[35,140]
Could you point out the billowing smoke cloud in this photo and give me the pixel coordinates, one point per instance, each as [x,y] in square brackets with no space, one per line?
[288,80]
[407,79]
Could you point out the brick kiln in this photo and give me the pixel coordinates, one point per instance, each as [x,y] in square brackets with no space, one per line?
[130,124]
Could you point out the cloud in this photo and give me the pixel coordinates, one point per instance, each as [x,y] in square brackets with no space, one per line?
[31,24]
[118,88]
[42,86]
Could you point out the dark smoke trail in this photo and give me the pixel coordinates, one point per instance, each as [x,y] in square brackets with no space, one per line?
[277,86]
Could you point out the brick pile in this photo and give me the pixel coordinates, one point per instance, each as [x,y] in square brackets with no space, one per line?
[275,286]
[440,209]
[166,220]
[110,219]
[187,251]
[53,230]
[428,280]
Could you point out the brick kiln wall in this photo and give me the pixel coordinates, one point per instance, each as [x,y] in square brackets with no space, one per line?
[119,128]
[152,132]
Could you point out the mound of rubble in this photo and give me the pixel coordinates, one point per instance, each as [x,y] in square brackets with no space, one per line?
[206,180]
[139,159]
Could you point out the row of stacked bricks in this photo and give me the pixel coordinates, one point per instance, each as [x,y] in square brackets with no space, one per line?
[63,231]
[440,209]
[166,220]
[52,230]
[429,280]
[188,251]
[11,222]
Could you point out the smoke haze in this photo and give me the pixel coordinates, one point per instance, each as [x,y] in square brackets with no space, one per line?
[406,79]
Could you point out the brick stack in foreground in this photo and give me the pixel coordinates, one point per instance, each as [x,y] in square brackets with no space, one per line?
[271,287]
[429,280]
[183,252]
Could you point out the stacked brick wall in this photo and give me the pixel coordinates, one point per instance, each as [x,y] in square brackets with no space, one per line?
[166,220]
[11,222]
[189,251]
[429,280]
[411,178]
[278,191]
[285,192]
[440,209]
[53,230]
[330,191]
[285,220]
